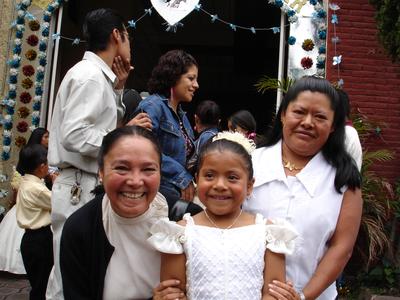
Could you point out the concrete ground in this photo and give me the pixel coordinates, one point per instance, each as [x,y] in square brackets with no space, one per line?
[14,287]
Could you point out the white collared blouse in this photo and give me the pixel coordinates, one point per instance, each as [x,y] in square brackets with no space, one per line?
[308,201]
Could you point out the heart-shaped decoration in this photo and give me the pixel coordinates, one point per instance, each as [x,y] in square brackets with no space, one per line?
[174,10]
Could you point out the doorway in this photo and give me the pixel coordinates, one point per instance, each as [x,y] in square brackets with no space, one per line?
[230,62]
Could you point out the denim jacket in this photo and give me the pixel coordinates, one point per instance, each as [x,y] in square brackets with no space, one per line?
[204,137]
[167,130]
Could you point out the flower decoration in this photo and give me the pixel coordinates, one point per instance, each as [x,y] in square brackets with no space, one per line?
[28,70]
[27,83]
[34,25]
[32,40]
[31,54]
[236,137]
[306,62]
[25,97]
[20,141]
[291,40]
[321,61]
[22,126]
[3,177]
[337,60]
[322,34]
[308,45]
[7,141]
[23,112]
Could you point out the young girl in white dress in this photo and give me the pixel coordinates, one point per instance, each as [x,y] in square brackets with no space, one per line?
[224,252]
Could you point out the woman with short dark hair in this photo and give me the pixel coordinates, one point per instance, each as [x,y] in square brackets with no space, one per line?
[173,82]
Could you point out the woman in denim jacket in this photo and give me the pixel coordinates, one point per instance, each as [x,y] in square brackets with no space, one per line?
[173,81]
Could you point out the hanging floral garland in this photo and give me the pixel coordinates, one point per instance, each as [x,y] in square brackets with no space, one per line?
[319,18]
[14,63]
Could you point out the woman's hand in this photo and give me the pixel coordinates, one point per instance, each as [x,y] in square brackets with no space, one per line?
[121,69]
[283,291]
[168,289]
[141,119]
[188,193]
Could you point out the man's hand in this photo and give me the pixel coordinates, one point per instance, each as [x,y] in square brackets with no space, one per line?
[188,193]
[141,119]
[121,69]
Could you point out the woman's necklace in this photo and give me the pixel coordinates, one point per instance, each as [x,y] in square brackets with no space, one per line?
[215,225]
[290,166]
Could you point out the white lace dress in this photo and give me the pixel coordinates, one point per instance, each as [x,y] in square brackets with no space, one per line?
[223,263]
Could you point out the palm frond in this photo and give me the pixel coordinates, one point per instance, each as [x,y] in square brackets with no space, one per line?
[269,83]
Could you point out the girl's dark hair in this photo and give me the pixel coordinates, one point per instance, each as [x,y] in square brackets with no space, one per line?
[243,119]
[98,26]
[36,136]
[30,158]
[334,148]
[226,145]
[171,66]
[209,113]
[113,136]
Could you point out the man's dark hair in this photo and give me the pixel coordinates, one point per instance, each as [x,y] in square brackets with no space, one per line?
[30,158]
[98,26]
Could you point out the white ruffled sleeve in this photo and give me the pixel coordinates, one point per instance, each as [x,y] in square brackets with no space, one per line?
[280,236]
[167,236]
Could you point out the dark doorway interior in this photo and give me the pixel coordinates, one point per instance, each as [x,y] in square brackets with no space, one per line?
[230,62]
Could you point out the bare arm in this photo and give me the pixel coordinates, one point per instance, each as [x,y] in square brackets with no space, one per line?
[340,245]
[173,266]
[274,269]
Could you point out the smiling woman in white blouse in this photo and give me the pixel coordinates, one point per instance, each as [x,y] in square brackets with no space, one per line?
[104,250]
[304,174]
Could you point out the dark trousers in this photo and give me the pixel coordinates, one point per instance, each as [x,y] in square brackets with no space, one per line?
[37,255]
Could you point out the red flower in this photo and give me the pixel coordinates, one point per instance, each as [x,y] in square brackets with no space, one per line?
[22,126]
[306,62]
[28,70]
[25,97]
[32,40]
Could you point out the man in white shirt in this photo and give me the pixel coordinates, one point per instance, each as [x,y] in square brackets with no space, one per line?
[88,105]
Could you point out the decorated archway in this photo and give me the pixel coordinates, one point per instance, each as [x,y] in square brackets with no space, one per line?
[33,77]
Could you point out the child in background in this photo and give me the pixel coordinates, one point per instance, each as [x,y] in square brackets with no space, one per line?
[243,121]
[206,118]
[223,252]
[33,214]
